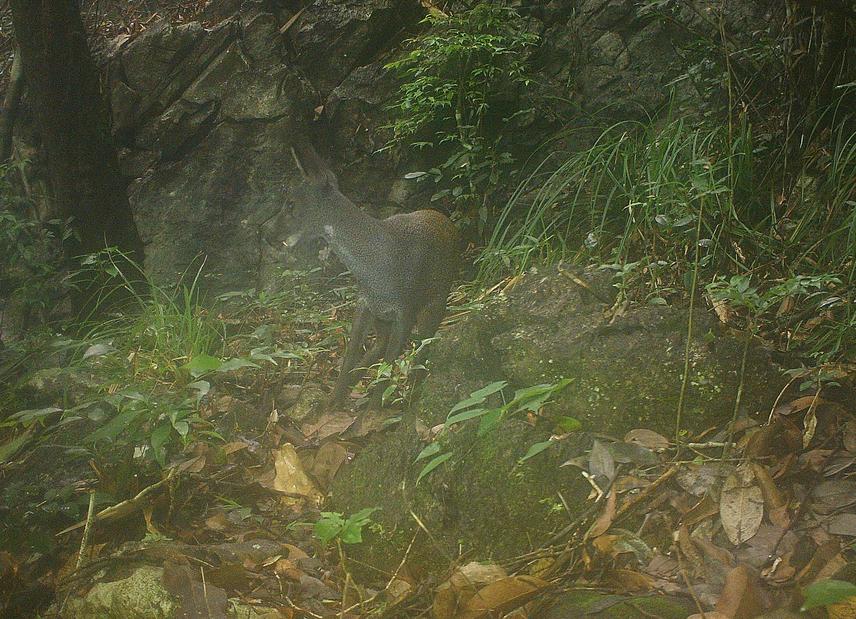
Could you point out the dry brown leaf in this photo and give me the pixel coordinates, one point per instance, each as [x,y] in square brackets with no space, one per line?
[833,495]
[463,584]
[842,524]
[191,465]
[503,596]
[604,521]
[843,610]
[290,478]
[799,405]
[601,461]
[217,522]
[822,556]
[702,510]
[287,569]
[327,461]
[721,558]
[631,580]
[740,597]
[688,548]
[230,448]
[295,553]
[741,505]
[773,499]
[397,591]
[647,438]
[334,422]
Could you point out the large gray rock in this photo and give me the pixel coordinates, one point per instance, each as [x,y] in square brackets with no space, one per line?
[622,60]
[626,370]
[204,116]
[207,117]
[626,374]
[332,37]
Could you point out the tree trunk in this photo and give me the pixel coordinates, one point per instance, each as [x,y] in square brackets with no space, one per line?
[71,116]
[10,107]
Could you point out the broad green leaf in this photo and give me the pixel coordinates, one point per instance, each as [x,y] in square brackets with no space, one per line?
[182,427]
[352,531]
[490,420]
[28,417]
[10,448]
[236,363]
[430,450]
[535,449]
[114,427]
[432,465]
[826,592]
[158,440]
[328,526]
[160,436]
[202,387]
[479,396]
[466,415]
[568,424]
[202,364]
[533,398]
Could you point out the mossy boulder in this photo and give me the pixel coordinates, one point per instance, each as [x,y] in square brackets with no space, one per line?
[141,595]
[626,369]
[483,502]
[597,605]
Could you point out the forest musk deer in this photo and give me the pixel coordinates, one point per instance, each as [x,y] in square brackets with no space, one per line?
[404,265]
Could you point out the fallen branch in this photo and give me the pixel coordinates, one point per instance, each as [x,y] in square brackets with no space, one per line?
[120,510]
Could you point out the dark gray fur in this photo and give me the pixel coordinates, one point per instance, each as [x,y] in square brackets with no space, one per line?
[404,265]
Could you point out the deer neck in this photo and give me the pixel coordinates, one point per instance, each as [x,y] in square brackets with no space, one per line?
[359,241]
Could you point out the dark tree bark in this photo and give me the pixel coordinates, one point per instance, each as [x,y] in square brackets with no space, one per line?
[10,107]
[65,94]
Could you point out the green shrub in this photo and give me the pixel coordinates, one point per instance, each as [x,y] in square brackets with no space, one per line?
[460,88]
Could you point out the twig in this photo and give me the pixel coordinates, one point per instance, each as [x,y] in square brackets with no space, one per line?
[124,508]
[347,584]
[646,493]
[690,587]
[685,379]
[205,591]
[84,542]
[388,584]
[740,387]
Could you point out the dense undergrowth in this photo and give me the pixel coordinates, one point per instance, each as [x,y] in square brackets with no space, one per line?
[653,201]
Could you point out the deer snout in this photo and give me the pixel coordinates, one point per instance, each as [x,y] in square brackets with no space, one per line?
[293,239]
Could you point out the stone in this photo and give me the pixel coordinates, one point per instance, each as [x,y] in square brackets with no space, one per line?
[123,105]
[264,95]
[261,38]
[305,403]
[149,58]
[138,596]
[626,371]
[332,37]
[480,503]
[598,605]
[210,204]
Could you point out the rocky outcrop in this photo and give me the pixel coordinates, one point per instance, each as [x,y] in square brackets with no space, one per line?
[625,372]
[205,118]
[205,112]
[627,369]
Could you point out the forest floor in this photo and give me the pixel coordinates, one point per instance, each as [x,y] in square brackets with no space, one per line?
[212,471]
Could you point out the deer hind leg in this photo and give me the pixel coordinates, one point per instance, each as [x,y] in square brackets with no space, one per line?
[363,320]
[426,326]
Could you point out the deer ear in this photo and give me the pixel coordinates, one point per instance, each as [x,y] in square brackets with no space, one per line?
[313,167]
[299,165]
